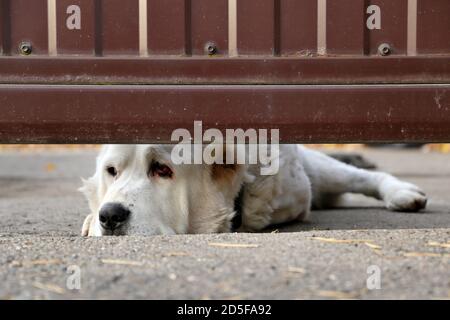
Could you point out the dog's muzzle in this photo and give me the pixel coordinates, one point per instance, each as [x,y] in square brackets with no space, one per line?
[113,216]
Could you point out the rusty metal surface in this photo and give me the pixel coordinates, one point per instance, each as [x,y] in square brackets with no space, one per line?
[263,28]
[209,24]
[4,27]
[27,23]
[185,59]
[298,27]
[345,27]
[433,15]
[119,114]
[166,28]
[256,27]
[339,70]
[117,26]
[393,29]
[74,40]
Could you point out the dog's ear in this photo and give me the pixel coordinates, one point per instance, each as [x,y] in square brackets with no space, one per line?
[89,189]
[228,169]
[225,172]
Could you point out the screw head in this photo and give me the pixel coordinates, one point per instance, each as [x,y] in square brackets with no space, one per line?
[210,48]
[25,48]
[384,49]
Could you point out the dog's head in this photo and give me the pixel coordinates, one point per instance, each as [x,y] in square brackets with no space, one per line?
[137,189]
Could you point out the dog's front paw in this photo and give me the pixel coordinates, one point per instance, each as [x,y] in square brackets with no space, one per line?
[86,225]
[407,197]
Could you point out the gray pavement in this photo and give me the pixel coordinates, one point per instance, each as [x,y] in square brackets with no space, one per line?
[41,213]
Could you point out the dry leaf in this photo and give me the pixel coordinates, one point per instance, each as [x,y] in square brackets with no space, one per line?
[349,147]
[49,287]
[123,262]
[443,148]
[50,167]
[232,245]
[46,147]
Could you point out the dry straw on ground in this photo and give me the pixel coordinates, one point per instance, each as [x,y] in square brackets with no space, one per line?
[49,287]
[232,245]
[123,262]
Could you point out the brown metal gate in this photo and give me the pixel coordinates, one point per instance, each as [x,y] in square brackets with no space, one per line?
[89,71]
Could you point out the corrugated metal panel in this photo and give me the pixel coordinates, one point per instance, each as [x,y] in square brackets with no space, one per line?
[4,22]
[117,27]
[75,33]
[166,27]
[209,26]
[393,27]
[298,27]
[256,27]
[28,25]
[345,27]
[433,26]
[244,27]
[225,42]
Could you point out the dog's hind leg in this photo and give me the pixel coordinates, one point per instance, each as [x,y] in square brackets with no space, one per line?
[330,177]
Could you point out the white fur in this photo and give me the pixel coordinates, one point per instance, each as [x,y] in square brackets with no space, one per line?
[197,201]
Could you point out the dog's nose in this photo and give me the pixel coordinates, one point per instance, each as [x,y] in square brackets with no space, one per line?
[112,215]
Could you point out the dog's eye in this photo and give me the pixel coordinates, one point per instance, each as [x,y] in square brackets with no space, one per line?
[160,170]
[112,171]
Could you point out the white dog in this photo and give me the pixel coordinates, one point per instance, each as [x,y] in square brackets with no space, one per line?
[136,189]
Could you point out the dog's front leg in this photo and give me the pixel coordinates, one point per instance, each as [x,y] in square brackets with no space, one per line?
[86,229]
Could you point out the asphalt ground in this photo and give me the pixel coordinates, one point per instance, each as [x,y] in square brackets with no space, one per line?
[328,257]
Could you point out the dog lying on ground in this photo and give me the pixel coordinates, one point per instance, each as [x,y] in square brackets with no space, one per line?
[137,190]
